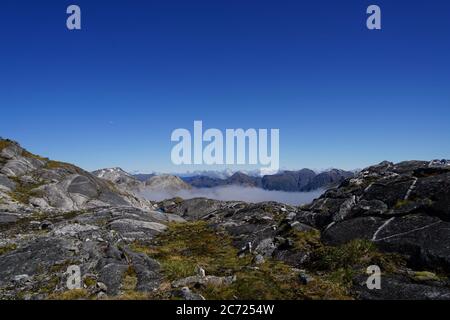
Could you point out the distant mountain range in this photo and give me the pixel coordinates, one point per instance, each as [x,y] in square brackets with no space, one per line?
[143,176]
[293,181]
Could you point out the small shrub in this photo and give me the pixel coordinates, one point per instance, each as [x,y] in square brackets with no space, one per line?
[130,280]
[89,282]
[306,240]
[354,253]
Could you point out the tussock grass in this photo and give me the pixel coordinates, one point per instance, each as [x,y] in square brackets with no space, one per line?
[76,294]
[185,246]
[24,191]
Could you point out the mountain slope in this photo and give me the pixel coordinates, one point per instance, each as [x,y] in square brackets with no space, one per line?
[288,180]
[327,179]
[242,179]
[142,177]
[292,181]
[167,183]
[121,179]
[31,182]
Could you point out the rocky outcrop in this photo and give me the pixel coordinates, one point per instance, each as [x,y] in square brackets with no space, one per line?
[251,226]
[98,241]
[29,182]
[401,207]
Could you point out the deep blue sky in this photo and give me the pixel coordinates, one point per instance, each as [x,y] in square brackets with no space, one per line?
[341,95]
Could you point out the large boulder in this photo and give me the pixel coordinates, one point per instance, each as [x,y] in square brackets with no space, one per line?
[401,207]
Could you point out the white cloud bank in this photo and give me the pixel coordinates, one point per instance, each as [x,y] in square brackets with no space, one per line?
[237,193]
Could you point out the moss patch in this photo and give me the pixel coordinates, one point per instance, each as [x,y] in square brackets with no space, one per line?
[132,295]
[130,280]
[185,246]
[24,191]
[420,276]
[7,248]
[354,253]
[306,240]
[401,203]
[28,154]
[77,294]
[51,164]
[341,263]
[89,282]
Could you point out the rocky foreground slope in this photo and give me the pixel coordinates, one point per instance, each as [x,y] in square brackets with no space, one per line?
[54,215]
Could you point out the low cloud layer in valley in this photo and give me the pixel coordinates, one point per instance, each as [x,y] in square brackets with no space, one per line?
[237,193]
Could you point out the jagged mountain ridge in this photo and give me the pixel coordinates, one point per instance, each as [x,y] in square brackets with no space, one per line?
[292,181]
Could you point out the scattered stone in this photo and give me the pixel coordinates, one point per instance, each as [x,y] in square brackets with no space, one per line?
[21,278]
[186,294]
[201,272]
[102,295]
[46,225]
[305,278]
[258,259]
[265,248]
[101,287]
[73,229]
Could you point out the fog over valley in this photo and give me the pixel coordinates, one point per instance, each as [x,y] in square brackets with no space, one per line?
[236,193]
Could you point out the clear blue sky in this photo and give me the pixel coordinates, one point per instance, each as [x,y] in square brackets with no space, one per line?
[341,95]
